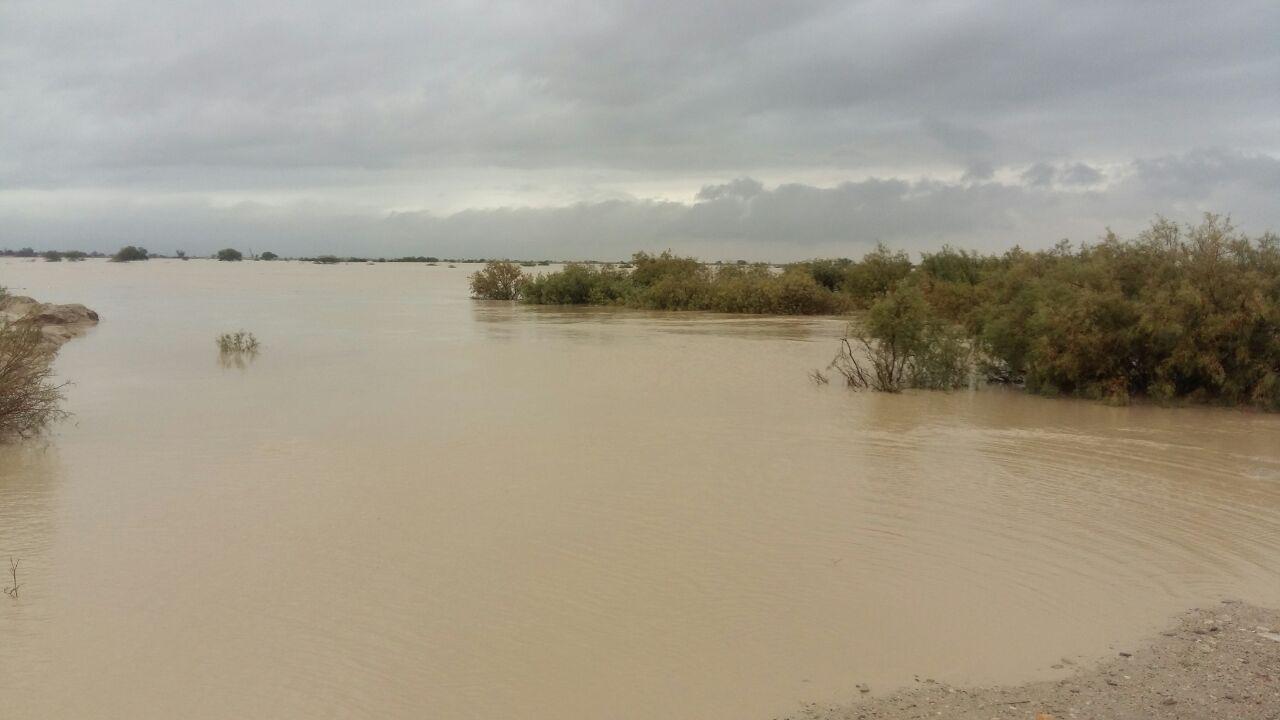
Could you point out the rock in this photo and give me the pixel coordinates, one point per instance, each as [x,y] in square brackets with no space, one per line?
[863,688]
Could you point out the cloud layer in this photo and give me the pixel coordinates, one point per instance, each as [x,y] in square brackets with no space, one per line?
[590,126]
[738,219]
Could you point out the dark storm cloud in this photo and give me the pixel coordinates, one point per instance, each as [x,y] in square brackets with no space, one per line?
[153,114]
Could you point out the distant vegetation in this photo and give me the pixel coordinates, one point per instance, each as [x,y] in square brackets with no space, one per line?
[669,282]
[50,255]
[130,253]
[229,255]
[1179,312]
[268,256]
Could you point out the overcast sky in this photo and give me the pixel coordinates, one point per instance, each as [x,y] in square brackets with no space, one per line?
[762,130]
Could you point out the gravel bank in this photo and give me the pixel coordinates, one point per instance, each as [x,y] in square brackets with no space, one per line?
[1219,662]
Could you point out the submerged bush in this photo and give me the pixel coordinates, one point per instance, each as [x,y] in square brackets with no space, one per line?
[668,282]
[129,253]
[578,284]
[904,344]
[237,342]
[497,281]
[1181,312]
[1178,313]
[229,255]
[29,399]
[875,275]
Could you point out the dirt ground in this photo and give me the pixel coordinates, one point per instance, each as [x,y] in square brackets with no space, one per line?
[1219,662]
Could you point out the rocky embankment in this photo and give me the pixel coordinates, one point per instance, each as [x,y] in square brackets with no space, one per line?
[1218,662]
[57,323]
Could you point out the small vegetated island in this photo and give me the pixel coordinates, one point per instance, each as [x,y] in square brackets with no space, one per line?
[1180,313]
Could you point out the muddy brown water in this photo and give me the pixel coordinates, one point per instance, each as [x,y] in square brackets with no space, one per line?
[412,504]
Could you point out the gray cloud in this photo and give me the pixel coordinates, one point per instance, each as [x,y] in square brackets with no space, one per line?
[1080,174]
[741,218]
[222,119]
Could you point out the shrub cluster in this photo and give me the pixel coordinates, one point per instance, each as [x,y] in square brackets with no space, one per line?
[668,282]
[1180,312]
[238,342]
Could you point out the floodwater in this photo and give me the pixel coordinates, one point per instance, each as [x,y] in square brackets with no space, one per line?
[417,505]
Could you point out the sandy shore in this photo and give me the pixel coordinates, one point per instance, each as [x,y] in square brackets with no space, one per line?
[1218,662]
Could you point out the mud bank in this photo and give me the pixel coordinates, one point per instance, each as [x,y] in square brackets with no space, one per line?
[1218,662]
[57,323]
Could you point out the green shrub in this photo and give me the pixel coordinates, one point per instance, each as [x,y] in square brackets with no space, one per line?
[668,282]
[229,255]
[829,273]
[238,342]
[498,280]
[875,275]
[903,343]
[129,253]
[579,284]
[800,294]
[745,289]
[268,255]
[52,256]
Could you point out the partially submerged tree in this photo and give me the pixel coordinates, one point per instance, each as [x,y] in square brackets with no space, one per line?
[29,398]
[229,255]
[498,280]
[903,344]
